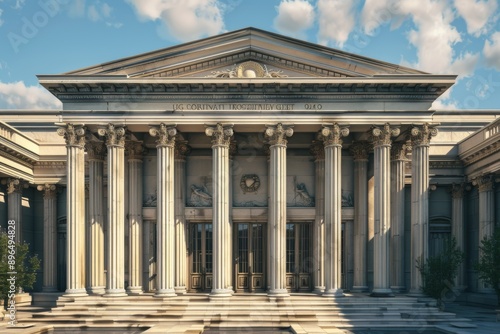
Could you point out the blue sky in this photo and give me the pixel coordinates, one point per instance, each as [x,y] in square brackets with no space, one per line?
[439,36]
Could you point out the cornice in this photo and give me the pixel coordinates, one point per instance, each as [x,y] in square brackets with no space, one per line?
[19,155]
[481,153]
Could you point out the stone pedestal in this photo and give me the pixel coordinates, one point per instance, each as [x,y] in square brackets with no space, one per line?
[277,209]
[74,136]
[165,209]
[221,137]
[331,136]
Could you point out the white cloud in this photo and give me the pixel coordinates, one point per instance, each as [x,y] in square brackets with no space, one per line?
[477,14]
[336,20]
[1,21]
[97,11]
[183,20]
[464,65]
[491,51]
[378,12]
[445,102]
[77,8]
[16,95]
[294,16]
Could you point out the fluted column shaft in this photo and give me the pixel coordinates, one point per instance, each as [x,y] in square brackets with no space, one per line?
[181,149]
[398,160]
[49,237]
[115,142]
[333,209]
[420,137]
[318,150]
[221,136]
[165,210]
[134,153]
[14,205]
[457,228]
[75,249]
[360,152]
[96,152]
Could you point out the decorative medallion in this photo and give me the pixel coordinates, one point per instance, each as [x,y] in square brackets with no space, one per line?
[249,183]
[248,69]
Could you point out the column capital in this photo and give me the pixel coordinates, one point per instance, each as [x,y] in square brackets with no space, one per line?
[181,149]
[134,150]
[399,151]
[457,190]
[221,134]
[276,134]
[96,150]
[14,185]
[332,134]
[484,182]
[115,135]
[166,134]
[317,149]
[420,135]
[49,190]
[360,150]
[74,134]
[382,136]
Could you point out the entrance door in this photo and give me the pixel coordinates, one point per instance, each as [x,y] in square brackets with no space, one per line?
[200,257]
[298,257]
[249,257]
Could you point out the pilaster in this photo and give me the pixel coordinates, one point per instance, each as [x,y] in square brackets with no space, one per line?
[74,136]
[14,205]
[276,135]
[331,136]
[115,142]
[318,151]
[165,144]
[221,138]
[457,228]
[49,237]
[360,151]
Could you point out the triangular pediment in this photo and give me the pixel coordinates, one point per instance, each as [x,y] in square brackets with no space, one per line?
[246,53]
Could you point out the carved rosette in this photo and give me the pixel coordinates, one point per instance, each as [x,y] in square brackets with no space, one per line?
[74,135]
[221,134]
[181,149]
[134,150]
[115,136]
[332,135]
[13,185]
[399,151]
[421,135]
[49,190]
[457,190]
[317,149]
[165,134]
[276,134]
[96,150]
[382,136]
[360,150]
[484,182]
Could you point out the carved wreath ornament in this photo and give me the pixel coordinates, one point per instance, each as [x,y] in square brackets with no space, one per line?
[249,183]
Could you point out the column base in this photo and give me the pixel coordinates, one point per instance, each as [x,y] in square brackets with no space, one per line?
[165,293]
[134,290]
[333,293]
[319,290]
[75,293]
[96,290]
[49,289]
[382,292]
[180,290]
[220,293]
[398,289]
[278,293]
[115,293]
[415,293]
[360,288]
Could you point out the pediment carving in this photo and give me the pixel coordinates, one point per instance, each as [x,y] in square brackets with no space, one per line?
[248,69]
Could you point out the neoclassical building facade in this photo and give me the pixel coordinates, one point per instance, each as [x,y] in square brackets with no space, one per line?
[247,162]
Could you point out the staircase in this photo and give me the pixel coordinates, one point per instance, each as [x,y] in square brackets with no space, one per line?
[194,313]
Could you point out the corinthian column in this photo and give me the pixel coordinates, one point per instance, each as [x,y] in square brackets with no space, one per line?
[75,249]
[485,186]
[96,152]
[115,141]
[221,137]
[318,151]
[165,144]
[398,160]
[49,237]
[181,150]
[457,228]
[360,151]
[135,151]
[14,205]
[420,141]
[382,153]
[331,136]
